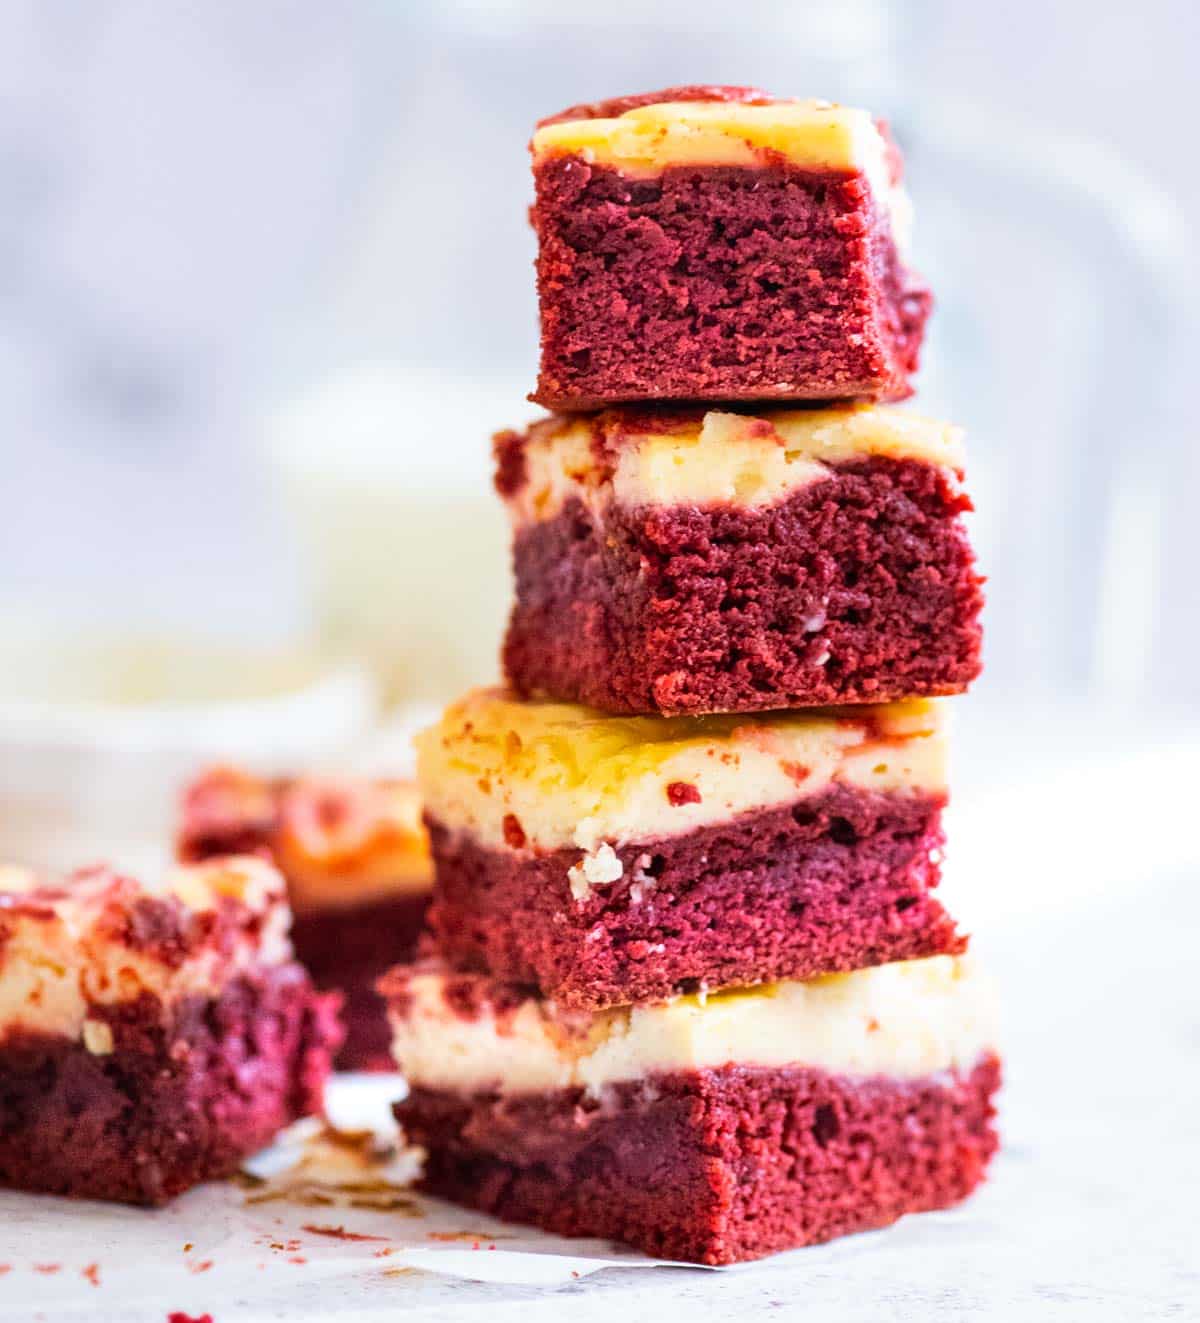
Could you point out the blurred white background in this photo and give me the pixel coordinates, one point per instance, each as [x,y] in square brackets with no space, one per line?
[211,210]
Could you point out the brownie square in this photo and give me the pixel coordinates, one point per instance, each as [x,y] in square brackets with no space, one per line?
[707,1131]
[692,561]
[151,1039]
[606,860]
[714,243]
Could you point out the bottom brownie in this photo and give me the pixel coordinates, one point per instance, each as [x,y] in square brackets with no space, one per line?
[347,948]
[713,1166]
[161,1108]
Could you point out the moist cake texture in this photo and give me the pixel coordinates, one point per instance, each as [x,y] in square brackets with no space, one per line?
[151,1038]
[711,1130]
[356,860]
[684,561]
[716,243]
[606,860]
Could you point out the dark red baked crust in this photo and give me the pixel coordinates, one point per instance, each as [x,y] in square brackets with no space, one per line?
[860,588]
[835,882]
[347,949]
[171,1105]
[714,1166]
[719,283]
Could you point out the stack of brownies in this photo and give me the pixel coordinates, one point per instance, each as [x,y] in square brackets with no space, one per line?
[686,980]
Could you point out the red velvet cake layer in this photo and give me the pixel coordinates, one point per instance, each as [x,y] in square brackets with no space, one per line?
[167,1107]
[840,881]
[719,282]
[859,588]
[713,1166]
[348,950]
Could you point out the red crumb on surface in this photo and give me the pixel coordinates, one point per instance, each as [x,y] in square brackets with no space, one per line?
[92,1273]
[47,1268]
[514,833]
[202,1265]
[178,1316]
[338,1233]
[682,792]
[511,470]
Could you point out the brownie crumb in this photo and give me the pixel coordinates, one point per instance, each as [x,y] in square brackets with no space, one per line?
[514,833]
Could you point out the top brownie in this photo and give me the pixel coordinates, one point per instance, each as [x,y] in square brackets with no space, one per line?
[714,243]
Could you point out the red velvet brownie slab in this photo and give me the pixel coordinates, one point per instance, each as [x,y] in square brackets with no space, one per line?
[150,1040]
[714,243]
[712,1133]
[606,860]
[356,861]
[718,562]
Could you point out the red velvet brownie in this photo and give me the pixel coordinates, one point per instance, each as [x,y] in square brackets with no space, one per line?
[151,1038]
[606,860]
[716,243]
[698,561]
[356,860]
[711,1130]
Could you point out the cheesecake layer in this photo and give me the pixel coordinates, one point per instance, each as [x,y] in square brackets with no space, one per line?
[531,777]
[355,857]
[469,1035]
[752,131]
[663,458]
[699,245]
[72,950]
[716,1165]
